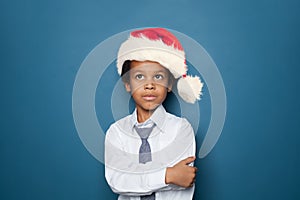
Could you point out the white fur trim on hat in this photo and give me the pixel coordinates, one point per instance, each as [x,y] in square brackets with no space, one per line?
[143,49]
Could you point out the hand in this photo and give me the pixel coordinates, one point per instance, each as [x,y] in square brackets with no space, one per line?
[182,174]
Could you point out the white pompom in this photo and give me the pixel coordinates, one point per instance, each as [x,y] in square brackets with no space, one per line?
[189,88]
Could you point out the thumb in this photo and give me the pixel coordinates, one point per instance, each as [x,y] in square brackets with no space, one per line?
[188,160]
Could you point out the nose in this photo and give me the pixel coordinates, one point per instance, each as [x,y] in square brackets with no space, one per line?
[149,86]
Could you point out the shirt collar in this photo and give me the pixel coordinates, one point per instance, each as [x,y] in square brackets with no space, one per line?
[158,118]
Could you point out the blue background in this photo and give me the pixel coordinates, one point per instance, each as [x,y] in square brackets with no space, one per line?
[255,45]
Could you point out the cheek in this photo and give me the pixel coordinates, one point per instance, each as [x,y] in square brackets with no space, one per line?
[163,84]
[135,87]
[162,89]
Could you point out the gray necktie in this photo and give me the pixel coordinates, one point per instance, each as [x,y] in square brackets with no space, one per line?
[145,152]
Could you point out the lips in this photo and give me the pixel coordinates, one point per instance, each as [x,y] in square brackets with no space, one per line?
[149,97]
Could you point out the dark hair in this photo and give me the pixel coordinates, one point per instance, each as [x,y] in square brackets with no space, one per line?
[126,68]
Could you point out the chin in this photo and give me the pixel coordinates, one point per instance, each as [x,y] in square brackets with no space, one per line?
[150,107]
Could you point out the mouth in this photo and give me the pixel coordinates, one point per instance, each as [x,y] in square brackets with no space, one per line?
[149,97]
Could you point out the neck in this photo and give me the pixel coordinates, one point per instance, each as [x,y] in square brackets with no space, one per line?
[143,115]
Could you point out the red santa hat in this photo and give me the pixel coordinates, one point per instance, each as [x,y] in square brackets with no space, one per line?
[159,45]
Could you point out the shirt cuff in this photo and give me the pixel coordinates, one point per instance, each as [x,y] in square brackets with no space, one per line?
[157,180]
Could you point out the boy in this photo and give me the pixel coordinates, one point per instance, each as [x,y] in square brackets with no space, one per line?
[149,154]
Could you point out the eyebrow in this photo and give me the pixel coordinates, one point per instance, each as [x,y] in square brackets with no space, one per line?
[160,71]
[140,71]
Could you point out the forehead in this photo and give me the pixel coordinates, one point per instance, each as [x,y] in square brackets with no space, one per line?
[147,66]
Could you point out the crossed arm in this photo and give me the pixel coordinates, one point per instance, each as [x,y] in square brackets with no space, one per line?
[176,176]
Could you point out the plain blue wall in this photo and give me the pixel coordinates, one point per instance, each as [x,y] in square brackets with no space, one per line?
[255,45]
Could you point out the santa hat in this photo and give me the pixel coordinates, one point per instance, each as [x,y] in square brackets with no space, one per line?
[159,45]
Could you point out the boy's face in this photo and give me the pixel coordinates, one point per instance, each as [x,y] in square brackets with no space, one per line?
[149,83]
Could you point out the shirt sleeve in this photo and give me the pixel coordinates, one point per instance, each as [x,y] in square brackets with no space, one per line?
[185,132]
[123,179]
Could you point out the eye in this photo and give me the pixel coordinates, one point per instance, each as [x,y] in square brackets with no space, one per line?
[158,76]
[139,76]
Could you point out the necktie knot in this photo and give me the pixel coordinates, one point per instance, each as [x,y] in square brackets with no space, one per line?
[144,132]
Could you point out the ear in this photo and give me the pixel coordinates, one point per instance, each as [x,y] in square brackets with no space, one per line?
[127,87]
[170,85]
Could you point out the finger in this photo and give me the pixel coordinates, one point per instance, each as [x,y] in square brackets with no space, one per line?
[188,160]
[192,169]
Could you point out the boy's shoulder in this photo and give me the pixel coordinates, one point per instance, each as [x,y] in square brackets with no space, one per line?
[171,116]
[123,123]
[165,120]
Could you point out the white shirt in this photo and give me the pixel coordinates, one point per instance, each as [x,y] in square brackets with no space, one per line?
[171,141]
